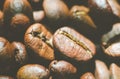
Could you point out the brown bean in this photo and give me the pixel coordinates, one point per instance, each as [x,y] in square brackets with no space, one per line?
[38,16]
[114,71]
[20,53]
[5,50]
[38,38]
[12,7]
[73,45]
[110,41]
[33,71]
[55,10]
[62,69]
[101,70]
[87,75]
[80,14]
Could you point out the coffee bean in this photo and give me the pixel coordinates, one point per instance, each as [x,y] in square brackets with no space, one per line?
[38,16]
[110,41]
[33,71]
[38,38]
[6,56]
[5,50]
[55,10]
[62,69]
[87,75]
[12,7]
[80,14]
[73,45]
[101,70]
[104,13]
[114,71]
[20,53]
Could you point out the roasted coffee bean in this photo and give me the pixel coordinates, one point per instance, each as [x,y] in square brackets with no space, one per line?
[73,45]
[114,71]
[19,23]
[24,40]
[38,16]
[33,71]
[102,5]
[5,50]
[12,7]
[39,39]
[80,14]
[104,13]
[101,70]
[62,69]
[87,75]
[110,41]
[110,6]
[6,56]
[5,77]
[55,10]
[20,53]
[116,8]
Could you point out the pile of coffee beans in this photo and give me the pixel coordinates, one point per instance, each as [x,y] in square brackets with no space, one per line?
[60,39]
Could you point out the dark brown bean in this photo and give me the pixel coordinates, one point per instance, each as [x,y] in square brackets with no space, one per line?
[74,45]
[87,75]
[38,38]
[33,71]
